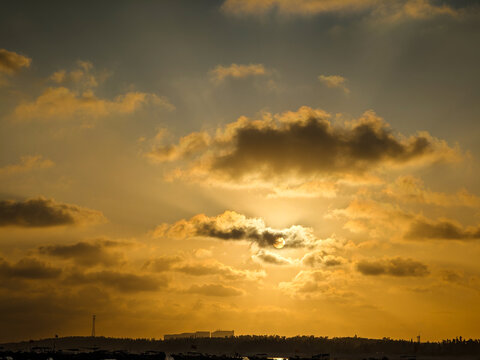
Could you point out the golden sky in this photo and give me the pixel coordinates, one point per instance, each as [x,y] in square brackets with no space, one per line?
[272,167]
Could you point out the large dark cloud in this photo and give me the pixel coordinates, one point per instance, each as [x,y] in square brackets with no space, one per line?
[399,267]
[300,146]
[443,229]
[41,212]
[315,146]
[233,226]
[27,268]
[86,253]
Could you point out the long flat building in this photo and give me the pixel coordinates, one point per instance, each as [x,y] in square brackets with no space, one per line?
[202,334]
[223,333]
[179,336]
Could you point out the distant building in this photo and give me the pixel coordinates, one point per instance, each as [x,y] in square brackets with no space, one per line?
[223,334]
[202,334]
[179,336]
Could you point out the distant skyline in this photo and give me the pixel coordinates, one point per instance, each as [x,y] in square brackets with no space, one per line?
[274,167]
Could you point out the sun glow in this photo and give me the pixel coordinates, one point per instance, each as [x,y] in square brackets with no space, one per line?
[279,243]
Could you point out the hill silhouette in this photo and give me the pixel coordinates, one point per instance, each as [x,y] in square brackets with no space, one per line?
[251,346]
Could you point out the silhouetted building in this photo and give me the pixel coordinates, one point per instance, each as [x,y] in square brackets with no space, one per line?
[179,336]
[223,333]
[202,334]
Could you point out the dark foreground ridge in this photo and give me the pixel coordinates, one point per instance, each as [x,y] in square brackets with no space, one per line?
[237,348]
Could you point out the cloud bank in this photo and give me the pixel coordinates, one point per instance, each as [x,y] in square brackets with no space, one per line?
[299,151]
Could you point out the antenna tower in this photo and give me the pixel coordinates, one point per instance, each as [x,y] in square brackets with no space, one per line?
[93,326]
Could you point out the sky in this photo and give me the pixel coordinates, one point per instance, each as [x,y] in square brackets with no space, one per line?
[283,167]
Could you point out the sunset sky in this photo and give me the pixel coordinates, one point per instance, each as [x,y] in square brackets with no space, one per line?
[270,166]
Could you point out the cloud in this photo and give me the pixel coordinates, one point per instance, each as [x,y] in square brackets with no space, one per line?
[417,10]
[321,258]
[217,268]
[27,268]
[61,103]
[412,189]
[318,283]
[217,290]
[294,7]
[187,146]
[207,267]
[11,62]
[269,257]
[86,253]
[41,212]
[398,267]
[444,229]
[27,163]
[232,226]
[120,281]
[301,150]
[381,219]
[83,76]
[236,71]
[392,10]
[335,81]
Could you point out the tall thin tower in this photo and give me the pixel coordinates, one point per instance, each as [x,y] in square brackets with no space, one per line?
[93,326]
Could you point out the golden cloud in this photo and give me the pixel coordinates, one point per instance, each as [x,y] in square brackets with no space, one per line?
[334,81]
[392,10]
[412,189]
[61,103]
[236,71]
[11,62]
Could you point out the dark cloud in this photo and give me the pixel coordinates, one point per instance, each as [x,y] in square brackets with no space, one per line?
[233,226]
[315,146]
[216,290]
[28,268]
[123,282]
[43,212]
[86,253]
[394,267]
[443,229]
[11,62]
[304,145]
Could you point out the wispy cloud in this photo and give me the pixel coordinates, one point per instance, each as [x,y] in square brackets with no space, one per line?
[236,71]
[335,81]
[27,163]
